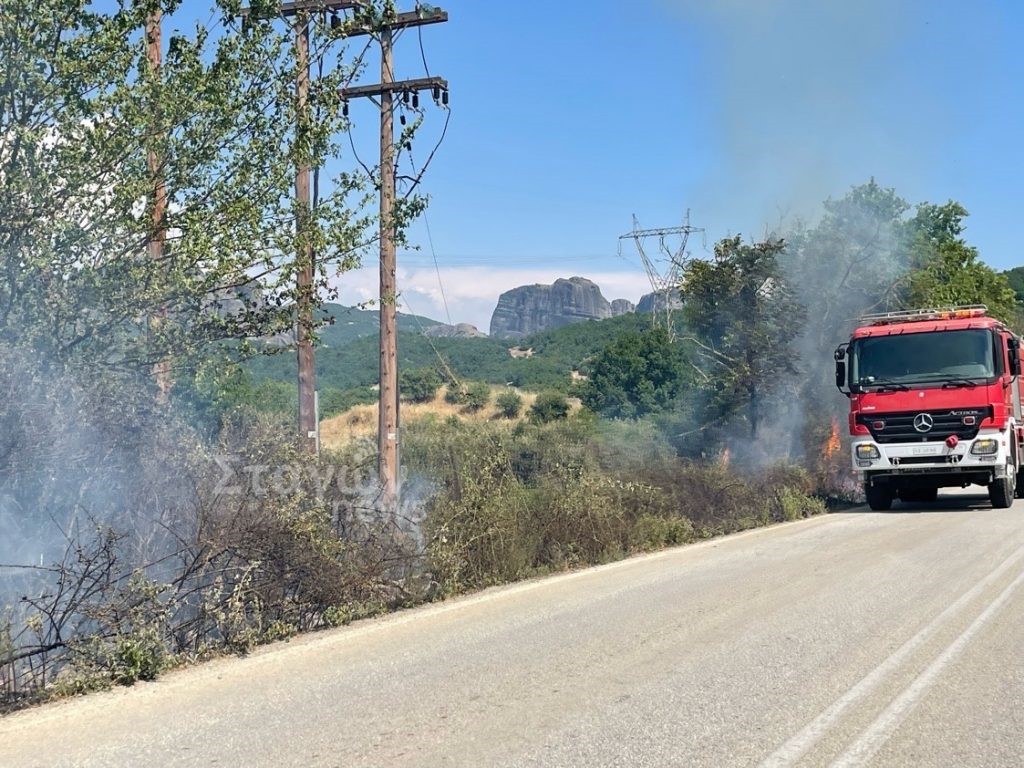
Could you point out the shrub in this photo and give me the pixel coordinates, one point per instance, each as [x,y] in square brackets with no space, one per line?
[455,394]
[478,395]
[419,385]
[550,406]
[268,559]
[138,657]
[574,492]
[510,404]
[654,532]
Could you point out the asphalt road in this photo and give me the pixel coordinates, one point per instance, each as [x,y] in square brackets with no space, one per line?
[853,639]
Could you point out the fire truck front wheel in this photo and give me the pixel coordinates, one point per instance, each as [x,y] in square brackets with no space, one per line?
[1002,490]
[879,497]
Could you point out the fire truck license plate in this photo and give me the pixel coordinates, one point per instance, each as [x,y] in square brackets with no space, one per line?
[931,450]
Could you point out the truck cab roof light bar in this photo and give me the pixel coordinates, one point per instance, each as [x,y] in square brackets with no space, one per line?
[919,315]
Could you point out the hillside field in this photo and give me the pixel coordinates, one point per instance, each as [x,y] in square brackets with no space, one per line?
[360,421]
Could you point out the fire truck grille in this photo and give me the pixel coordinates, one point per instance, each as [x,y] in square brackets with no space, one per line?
[907,427]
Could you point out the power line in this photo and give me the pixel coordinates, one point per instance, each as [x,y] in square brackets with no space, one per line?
[444,363]
[437,268]
[487,260]
[433,253]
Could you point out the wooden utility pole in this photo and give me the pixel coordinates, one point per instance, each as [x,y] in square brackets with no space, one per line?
[388,437]
[387,426]
[308,425]
[305,280]
[388,429]
[154,162]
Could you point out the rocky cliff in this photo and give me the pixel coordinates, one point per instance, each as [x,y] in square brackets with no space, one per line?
[622,307]
[533,308]
[656,302]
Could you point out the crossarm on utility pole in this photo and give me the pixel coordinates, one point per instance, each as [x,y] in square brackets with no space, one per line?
[402,21]
[400,86]
[398,21]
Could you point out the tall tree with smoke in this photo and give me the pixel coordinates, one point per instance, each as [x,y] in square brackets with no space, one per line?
[745,318]
[872,251]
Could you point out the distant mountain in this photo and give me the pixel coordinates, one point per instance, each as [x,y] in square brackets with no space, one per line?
[531,309]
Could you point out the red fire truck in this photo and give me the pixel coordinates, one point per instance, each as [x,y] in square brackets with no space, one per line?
[935,402]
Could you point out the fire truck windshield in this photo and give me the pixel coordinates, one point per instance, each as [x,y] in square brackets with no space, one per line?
[922,358]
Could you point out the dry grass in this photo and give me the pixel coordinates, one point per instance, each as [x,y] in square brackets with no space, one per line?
[361,420]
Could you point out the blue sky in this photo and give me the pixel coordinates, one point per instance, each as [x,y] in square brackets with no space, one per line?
[569,117]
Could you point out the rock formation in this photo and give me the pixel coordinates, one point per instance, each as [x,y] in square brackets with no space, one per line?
[622,307]
[656,302]
[533,308]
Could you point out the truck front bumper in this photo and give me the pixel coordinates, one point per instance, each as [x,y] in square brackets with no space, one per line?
[908,459]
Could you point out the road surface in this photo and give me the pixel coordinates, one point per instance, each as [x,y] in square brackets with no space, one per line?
[851,639]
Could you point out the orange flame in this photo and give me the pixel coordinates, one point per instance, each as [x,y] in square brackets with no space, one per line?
[834,444]
[724,458]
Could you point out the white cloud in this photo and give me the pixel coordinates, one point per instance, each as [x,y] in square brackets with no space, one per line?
[472,291]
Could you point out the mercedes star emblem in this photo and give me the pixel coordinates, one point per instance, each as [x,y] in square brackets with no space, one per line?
[923,422]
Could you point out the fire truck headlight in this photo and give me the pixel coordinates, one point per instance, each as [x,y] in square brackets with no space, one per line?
[868,451]
[985,447]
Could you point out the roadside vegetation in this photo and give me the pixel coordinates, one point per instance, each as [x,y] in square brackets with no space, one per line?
[154,507]
[566,493]
[227,568]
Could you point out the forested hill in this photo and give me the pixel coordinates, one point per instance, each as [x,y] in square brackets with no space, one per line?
[349,323]
[348,355]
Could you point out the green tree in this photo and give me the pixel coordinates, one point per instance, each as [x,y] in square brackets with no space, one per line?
[946,271]
[1015,277]
[419,385]
[220,117]
[744,319]
[510,404]
[637,374]
[548,407]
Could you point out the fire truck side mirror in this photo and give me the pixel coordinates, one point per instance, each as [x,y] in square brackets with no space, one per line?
[1014,350]
[840,356]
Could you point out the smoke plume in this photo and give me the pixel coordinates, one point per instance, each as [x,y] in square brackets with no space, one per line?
[810,97]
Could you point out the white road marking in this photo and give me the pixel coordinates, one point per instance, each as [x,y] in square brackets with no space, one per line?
[876,734]
[810,734]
